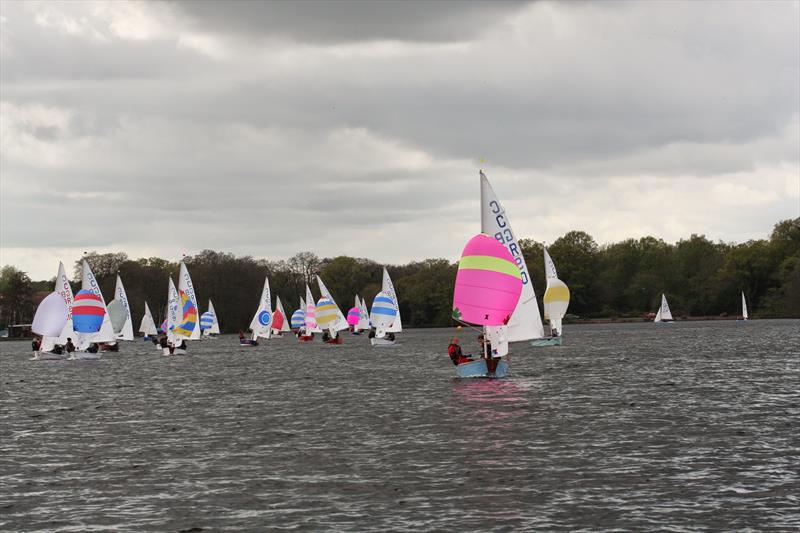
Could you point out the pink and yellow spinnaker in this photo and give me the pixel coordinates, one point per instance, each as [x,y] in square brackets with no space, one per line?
[488,283]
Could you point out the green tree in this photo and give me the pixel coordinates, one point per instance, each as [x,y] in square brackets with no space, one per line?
[16,296]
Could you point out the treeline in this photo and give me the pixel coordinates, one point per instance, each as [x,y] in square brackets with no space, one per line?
[624,279]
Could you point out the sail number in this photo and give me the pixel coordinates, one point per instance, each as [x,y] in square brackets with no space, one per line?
[506,237]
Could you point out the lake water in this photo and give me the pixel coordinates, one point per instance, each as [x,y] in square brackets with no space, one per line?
[676,427]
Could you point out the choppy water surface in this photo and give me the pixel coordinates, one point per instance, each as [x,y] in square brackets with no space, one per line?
[684,426]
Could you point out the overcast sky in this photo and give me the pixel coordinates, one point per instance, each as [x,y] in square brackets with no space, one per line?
[265,128]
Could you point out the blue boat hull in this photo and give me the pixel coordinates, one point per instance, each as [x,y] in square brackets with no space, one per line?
[477,369]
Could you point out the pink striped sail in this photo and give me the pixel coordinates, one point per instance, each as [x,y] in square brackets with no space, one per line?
[352,316]
[488,283]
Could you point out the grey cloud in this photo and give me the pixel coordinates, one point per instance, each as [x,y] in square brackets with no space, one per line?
[338,21]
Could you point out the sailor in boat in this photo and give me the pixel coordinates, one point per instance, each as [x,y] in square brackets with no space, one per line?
[390,336]
[93,348]
[326,336]
[35,345]
[486,351]
[183,345]
[58,349]
[455,353]
[69,346]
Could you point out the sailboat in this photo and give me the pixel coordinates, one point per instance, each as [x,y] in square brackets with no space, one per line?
[299,317]
[51,317]
[148,325]
[384,313]
[487,290]
[329,316]
[363,316]
[189,327]
[664,315]
[353,316]
[48,344]
[396,326]
[556,301]
[526,321]
[209,325]
[89,308]
[261,325]
[310,318]
[745,315]
[120,314]
[280,322]
[174,321]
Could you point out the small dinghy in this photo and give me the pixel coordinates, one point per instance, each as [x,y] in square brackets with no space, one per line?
[487,290]
[556,302]
[664,315]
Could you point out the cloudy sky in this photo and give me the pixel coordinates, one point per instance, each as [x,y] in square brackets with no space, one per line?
[164,128]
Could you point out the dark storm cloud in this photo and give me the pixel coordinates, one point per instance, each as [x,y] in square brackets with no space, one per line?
[344,21]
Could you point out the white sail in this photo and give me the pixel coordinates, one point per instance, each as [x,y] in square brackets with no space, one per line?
[311,313]
[340,323]
[549,266]
[51,316]
[526,321]
[174,314]
[261,325]
[63,288]
[663,314]
[148,325]
[127,329]
[363,315]
[190,328]
[106,333]
[388,288]
[744,308]
[279,306]
[498,339]
[214,329]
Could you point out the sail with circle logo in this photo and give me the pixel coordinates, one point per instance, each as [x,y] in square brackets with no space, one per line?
[261,325]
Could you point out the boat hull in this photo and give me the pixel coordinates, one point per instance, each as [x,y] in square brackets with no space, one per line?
[478,369]
[335,340]
[47,356]
[177,351]
[305,338]
[551,341]
[83,356]
[248,342]
[381,342]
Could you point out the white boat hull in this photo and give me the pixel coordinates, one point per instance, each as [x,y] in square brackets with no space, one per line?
[83,356]
[47,356]
[381,342]
[177,351]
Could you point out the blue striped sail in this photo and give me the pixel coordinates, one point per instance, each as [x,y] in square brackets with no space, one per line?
[206,320]
[298,319]
[384,311]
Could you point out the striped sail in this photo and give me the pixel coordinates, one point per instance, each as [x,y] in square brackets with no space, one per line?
[189,328]
[339,323]
[206,321]
[556,296]
[526,321]
[311,313]
[106,332]
[327,315]
[388,288]
[298,319]
[384,313]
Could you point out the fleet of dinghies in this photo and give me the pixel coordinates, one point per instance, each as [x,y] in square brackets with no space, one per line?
[493,291]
